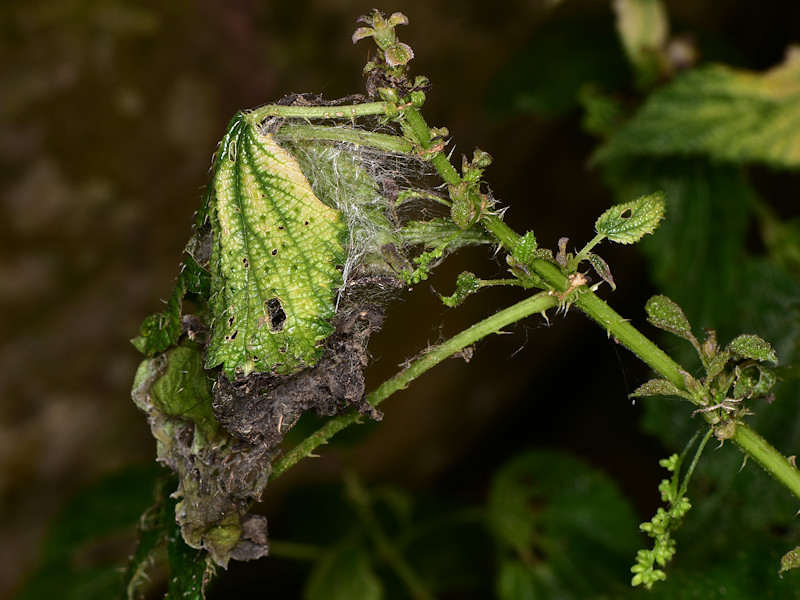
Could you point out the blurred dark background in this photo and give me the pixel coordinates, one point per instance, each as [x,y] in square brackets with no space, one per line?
[109,114]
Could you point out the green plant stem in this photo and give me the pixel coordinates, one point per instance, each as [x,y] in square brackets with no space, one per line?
[502,232]
[593,306]
[360,498]
[616,326]
[695,459]
[381,141]
[417,129]
[750,442]
[350,111]
[494,282]
[587,248]
[765,454]
[429,359]
[630,337]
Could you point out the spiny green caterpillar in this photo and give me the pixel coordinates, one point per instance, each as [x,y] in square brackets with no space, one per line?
[274,258]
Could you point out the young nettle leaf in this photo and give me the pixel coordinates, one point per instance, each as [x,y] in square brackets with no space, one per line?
[790,560]
[190,569]
[466,284]
[716,364]
[753,381]
[710,346]
[463,211]
[659,387]
[665,314]
[602,269]
[525,251]
[752,346]
[562,258]
[628,223]
[274,258]
[525,248]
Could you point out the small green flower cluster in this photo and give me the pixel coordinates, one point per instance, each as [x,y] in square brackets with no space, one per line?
[660,527]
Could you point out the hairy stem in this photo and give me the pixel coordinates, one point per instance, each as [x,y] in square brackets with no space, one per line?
[588,248]
[417,129]
[751,443]
[765,454]
[421,134]
[429,359]
[380,141]
[350,111]
[615,325]
[695,460]
[506,236]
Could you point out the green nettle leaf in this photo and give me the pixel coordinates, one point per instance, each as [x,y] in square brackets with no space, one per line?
[658,387]
[274,259]
[466,284]
[602,269]
[665,314]
[730,115]
[790,560]
[463,211]
[525,248]
[398,54]
[696,257]
[752,346]
[627,223]
[717,364]
[754,382]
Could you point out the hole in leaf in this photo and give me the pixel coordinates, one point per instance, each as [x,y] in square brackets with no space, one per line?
[231,337]
[246,263]
[275,314]
[230,321]
[626,214]
[274,251]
